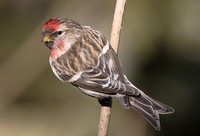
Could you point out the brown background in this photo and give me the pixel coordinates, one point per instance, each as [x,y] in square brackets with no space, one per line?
[159,51]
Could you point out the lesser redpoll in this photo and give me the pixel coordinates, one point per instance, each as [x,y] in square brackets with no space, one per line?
[83,56]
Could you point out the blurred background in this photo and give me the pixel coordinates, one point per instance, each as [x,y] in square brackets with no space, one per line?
[159,50]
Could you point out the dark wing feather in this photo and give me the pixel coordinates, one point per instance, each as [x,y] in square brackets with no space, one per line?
[105,78]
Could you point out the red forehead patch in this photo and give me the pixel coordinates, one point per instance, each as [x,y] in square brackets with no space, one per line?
[52,24]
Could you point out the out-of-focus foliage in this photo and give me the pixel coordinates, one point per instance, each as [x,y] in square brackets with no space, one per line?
[159,51]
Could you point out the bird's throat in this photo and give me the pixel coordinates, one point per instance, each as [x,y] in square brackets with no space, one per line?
[58,49]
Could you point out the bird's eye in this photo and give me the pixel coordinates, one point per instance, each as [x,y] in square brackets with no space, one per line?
[59,32]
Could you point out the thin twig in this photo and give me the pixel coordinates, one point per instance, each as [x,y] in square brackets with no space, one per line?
[114,40]
[117,24]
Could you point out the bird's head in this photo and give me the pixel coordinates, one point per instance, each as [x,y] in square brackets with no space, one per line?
[60,34]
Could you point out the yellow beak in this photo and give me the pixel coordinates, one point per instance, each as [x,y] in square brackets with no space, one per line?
[47,39]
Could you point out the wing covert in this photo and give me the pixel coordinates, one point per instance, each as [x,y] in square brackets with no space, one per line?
[105,78]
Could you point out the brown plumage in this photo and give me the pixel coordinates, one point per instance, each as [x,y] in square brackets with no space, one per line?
[84,57]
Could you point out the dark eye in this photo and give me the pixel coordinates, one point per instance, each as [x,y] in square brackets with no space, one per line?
[59,32]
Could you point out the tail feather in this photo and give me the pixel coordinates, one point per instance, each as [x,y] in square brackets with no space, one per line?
[150,109]
[146,106]
[150,115]
[124,100]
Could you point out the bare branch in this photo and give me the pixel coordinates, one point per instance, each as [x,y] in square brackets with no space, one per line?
[114,40]
[116,26]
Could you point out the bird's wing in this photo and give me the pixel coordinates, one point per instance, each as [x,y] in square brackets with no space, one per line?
[106,78]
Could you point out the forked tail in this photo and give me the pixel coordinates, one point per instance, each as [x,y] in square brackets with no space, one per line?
[150,108]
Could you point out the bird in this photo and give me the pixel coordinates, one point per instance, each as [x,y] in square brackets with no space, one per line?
[82,56]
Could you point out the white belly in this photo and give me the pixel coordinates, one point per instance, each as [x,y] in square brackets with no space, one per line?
[95,94]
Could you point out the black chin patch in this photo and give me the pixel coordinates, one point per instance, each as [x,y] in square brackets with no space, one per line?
[49,44]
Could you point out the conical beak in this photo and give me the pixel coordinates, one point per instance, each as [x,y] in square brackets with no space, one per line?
[47,39]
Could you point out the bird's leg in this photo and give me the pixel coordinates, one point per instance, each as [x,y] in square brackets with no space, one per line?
[106,102]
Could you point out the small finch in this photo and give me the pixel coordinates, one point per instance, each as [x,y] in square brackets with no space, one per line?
[83,56]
